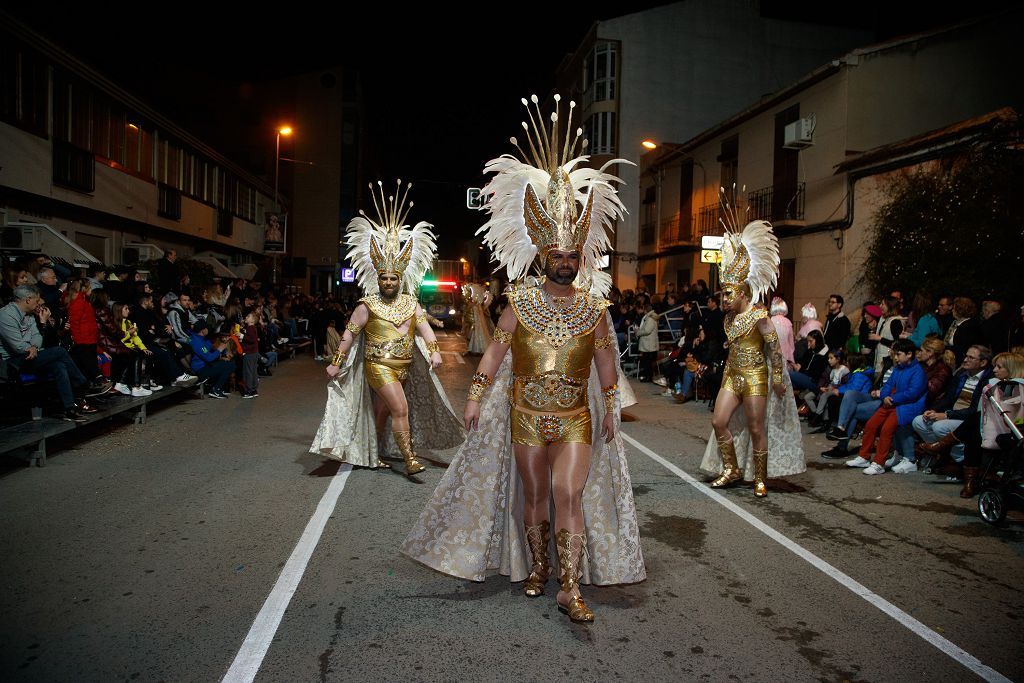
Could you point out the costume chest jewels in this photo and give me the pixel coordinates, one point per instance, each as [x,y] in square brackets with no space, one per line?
[384,341]
[403,308]
[552,350]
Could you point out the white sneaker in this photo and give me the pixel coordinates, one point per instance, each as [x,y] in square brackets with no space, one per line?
[668,392]
[905,467]
[891,461]
[282,340]
[661,382]
[858,462]
[139,391]
[874,468]
[153,386]
[122,389]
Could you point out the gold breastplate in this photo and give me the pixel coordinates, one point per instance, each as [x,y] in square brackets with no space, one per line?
[552,350]
[746,344]
[384,341]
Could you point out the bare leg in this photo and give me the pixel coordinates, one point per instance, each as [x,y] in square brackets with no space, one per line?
[756,409]
[394,395]
[380,419]
[725,406]
[570,467]
[532,463]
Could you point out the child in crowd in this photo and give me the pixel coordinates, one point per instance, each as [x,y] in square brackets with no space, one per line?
[837,374]
[251,355]
[134,369]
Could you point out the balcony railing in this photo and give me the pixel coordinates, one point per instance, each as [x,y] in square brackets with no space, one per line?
[73,167]
[777,203]
[676,231]
[707,220]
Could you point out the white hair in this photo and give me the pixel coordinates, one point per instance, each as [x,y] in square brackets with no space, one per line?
[809,311]
[778,306]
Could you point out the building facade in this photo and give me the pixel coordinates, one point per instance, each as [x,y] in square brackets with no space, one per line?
[821,184]
[669,72]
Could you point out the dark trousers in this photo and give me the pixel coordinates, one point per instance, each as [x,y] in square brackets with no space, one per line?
[217,373]
[250,364]
[163,364]
[66,374]
[84,356]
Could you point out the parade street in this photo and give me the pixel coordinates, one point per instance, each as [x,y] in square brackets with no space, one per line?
[208,544]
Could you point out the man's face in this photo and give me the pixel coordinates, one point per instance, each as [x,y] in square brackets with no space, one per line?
[833,305]
[388,285]
[945,306]
[172,256]
[972,361]
[48,276]
[30,304]
[732,298]
[561,267]
[186,301]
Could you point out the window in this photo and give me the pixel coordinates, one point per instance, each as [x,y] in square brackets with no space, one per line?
[24,89]
[599,74]
[600,130]
[168,164]
[72,111]
[785,166]
[729,160]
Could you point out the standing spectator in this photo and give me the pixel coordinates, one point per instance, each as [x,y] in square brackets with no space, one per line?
[21,350]
[808,321]
[995,328]
[783,327]
[97,276]
[648,341]
[870,315]
[714,318]
[699,293]
[925,322]
[890,327]
[944,314]
[903,396]
[935,426]
[965,330]
[168,272]
[208,360]
[251,356]
[85,334]
[837,325]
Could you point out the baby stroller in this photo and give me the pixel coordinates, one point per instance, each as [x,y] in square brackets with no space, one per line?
[1007,488]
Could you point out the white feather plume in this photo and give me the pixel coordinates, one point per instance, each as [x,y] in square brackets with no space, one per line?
[763,248]
[424,249]
[361,230]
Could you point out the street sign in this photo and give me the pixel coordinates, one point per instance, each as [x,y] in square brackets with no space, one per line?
[474,200]
[348,274]
[711,242]
[710,256]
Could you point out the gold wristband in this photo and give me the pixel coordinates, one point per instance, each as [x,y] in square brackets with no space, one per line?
[608,393]
[604,342]
[771,338]
[479,386]
[501,336]
[353,328]
[339,358]
[433,347]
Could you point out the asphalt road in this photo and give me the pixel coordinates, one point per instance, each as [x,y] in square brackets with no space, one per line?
[146,553]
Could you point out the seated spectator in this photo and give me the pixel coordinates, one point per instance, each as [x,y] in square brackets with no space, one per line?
[21,351]
[965,331]
[837,326]
[807,371]
[110,346]
[673,368]
[925,322]
[135,380]
[936,361]
[903,396]
[13,277]
[818,400]
[162,361]
[208,359]
[935,426]
[49,288]
[978,433]
[783,327]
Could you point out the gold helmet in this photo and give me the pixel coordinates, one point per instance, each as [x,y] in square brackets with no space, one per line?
[750,257]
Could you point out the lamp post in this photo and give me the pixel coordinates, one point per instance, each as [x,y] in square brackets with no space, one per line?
[286,131]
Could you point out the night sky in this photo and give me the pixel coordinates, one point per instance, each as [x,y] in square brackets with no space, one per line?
[441,89]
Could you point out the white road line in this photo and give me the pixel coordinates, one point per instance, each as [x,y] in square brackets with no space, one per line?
[960,655]
[254,647]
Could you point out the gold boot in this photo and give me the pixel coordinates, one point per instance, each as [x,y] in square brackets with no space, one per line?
[731,471]
[570,552]
[538,537]
[760,472]
[404,441]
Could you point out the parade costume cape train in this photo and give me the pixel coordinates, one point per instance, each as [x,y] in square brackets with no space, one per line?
[473,521]
[477,326]
[347,431]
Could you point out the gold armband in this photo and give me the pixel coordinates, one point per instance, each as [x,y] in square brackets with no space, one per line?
[771,338]
[339,358]
[433,347]
[353,328]
[421,318]
[608,393]
[479,386]
[776,374]
[604,342]
[501,336]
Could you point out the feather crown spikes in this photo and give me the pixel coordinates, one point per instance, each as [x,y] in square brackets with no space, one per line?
[387,245]
[750,255]
[533,202]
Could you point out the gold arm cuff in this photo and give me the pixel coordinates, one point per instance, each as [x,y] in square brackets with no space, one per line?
[609,393]
[502,337]
[604,342]
[771,338]
[433,347]
[339,358]
[479,386]
[421,318]
[353,328]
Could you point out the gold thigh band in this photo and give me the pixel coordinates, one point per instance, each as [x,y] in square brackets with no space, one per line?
[530,429]
[746,382]
[380,373]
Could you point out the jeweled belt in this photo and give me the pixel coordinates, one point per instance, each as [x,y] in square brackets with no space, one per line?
[747,358]
[549,392]
[398,349]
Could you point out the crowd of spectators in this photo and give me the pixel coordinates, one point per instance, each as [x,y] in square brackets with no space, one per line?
[101,333]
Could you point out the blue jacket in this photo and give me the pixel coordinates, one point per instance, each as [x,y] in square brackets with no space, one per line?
[925,326]
[203,352]
[858,380]
[908,388]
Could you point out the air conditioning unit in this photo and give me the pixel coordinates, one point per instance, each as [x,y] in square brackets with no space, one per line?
[134,252]
[24,237]
[799,134]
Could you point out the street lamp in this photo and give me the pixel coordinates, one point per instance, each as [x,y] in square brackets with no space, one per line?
[285,131]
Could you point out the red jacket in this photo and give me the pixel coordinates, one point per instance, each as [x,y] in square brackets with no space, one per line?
[83,321]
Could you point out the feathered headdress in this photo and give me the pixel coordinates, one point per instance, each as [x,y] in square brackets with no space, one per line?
[750,256]
[388,245]
[545,202]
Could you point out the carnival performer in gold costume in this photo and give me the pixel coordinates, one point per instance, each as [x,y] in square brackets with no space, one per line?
[754,369]
[388,257]
[537,411]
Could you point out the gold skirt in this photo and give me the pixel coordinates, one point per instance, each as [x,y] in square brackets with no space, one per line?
[745,382]
[533,429]
[386,371]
